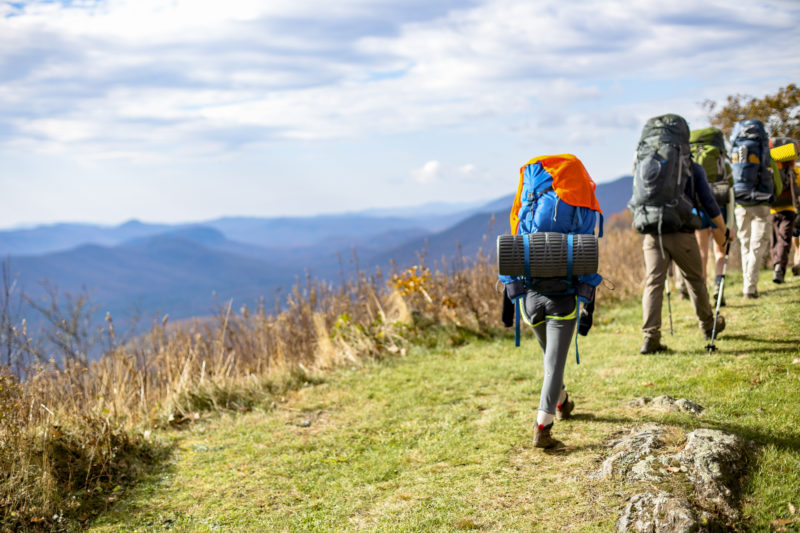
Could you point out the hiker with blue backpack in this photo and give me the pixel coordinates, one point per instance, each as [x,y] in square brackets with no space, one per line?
[667,186]
[548,266]
[755,186]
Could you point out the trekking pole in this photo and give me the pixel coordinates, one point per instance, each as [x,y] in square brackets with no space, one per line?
[710,347]
[669,300]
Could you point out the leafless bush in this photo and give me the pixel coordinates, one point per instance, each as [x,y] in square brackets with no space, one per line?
[17,348]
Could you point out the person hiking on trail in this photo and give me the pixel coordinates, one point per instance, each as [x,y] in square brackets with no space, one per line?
[783,210]
[555,206]
[666,186]
[708,151]
[754,187]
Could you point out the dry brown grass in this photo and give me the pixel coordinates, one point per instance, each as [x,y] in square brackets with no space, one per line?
[621,260]
[70,437]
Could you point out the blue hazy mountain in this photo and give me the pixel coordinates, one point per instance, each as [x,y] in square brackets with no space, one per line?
[176,269]
[479,231]
[58,237]
[176,272]
[291,232]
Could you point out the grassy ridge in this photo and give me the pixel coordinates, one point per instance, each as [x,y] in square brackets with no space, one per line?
[441,440]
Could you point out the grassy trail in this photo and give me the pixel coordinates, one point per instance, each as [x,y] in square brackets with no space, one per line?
[441,440]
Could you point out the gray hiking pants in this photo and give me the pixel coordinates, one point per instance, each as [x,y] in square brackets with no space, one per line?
[553,319]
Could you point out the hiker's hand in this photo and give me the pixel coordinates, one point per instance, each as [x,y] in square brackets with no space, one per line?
[584,323]
[720,233]
[585,320]
[720,237]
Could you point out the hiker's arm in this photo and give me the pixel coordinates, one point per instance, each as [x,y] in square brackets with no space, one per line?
[719,231]
[703,193]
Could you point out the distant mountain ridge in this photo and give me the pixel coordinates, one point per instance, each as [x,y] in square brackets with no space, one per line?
[176,269]
[479,231]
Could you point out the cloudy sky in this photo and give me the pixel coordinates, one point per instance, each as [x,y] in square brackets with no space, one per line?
[185,110]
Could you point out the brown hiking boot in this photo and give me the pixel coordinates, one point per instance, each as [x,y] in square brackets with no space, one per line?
[564,410]
[652,345]
[542,438]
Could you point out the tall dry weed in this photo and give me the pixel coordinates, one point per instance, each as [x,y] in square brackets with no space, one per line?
[621,261]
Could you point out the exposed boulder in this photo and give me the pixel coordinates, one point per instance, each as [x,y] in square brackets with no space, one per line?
[652,512]
[715,461]
[632,457]
[707,464]
[667,403]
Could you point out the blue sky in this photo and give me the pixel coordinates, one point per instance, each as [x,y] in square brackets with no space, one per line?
[187,110]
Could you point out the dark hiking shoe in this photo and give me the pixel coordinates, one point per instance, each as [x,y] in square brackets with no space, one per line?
[751,295]
[564,409]
[542,438]
[796,269]
[684,292]
[652,346]
[720,328]
[778,274]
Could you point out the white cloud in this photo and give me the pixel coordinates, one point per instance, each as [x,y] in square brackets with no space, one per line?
[428,173]
[187,84]
[437,172]
[190,67]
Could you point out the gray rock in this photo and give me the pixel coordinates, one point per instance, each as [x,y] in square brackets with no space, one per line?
[664,402]
[657,512]
[667,403]
[639,402]
[715,462]
[689,406]
[710,463]
[632,457]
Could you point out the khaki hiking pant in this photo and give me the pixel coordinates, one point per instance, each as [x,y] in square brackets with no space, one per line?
[755,227]
[681,248]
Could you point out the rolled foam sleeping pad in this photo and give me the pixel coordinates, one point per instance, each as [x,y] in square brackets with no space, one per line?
[547,255]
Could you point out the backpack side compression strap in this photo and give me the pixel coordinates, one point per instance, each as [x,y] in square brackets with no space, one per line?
[526,241]
[570,240]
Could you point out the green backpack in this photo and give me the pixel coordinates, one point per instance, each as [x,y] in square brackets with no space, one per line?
[708,151]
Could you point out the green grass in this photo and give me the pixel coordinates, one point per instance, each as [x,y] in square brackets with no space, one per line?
[440,440]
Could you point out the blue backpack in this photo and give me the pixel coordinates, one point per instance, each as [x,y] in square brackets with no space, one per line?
[555,194]
[752,173]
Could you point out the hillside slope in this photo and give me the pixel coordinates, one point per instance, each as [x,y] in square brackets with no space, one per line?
[441,440]
[173,273]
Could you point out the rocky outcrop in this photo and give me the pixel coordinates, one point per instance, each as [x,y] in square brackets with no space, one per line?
[657,511]
[632,456]
[689,485]
[715,462]
[667,403]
